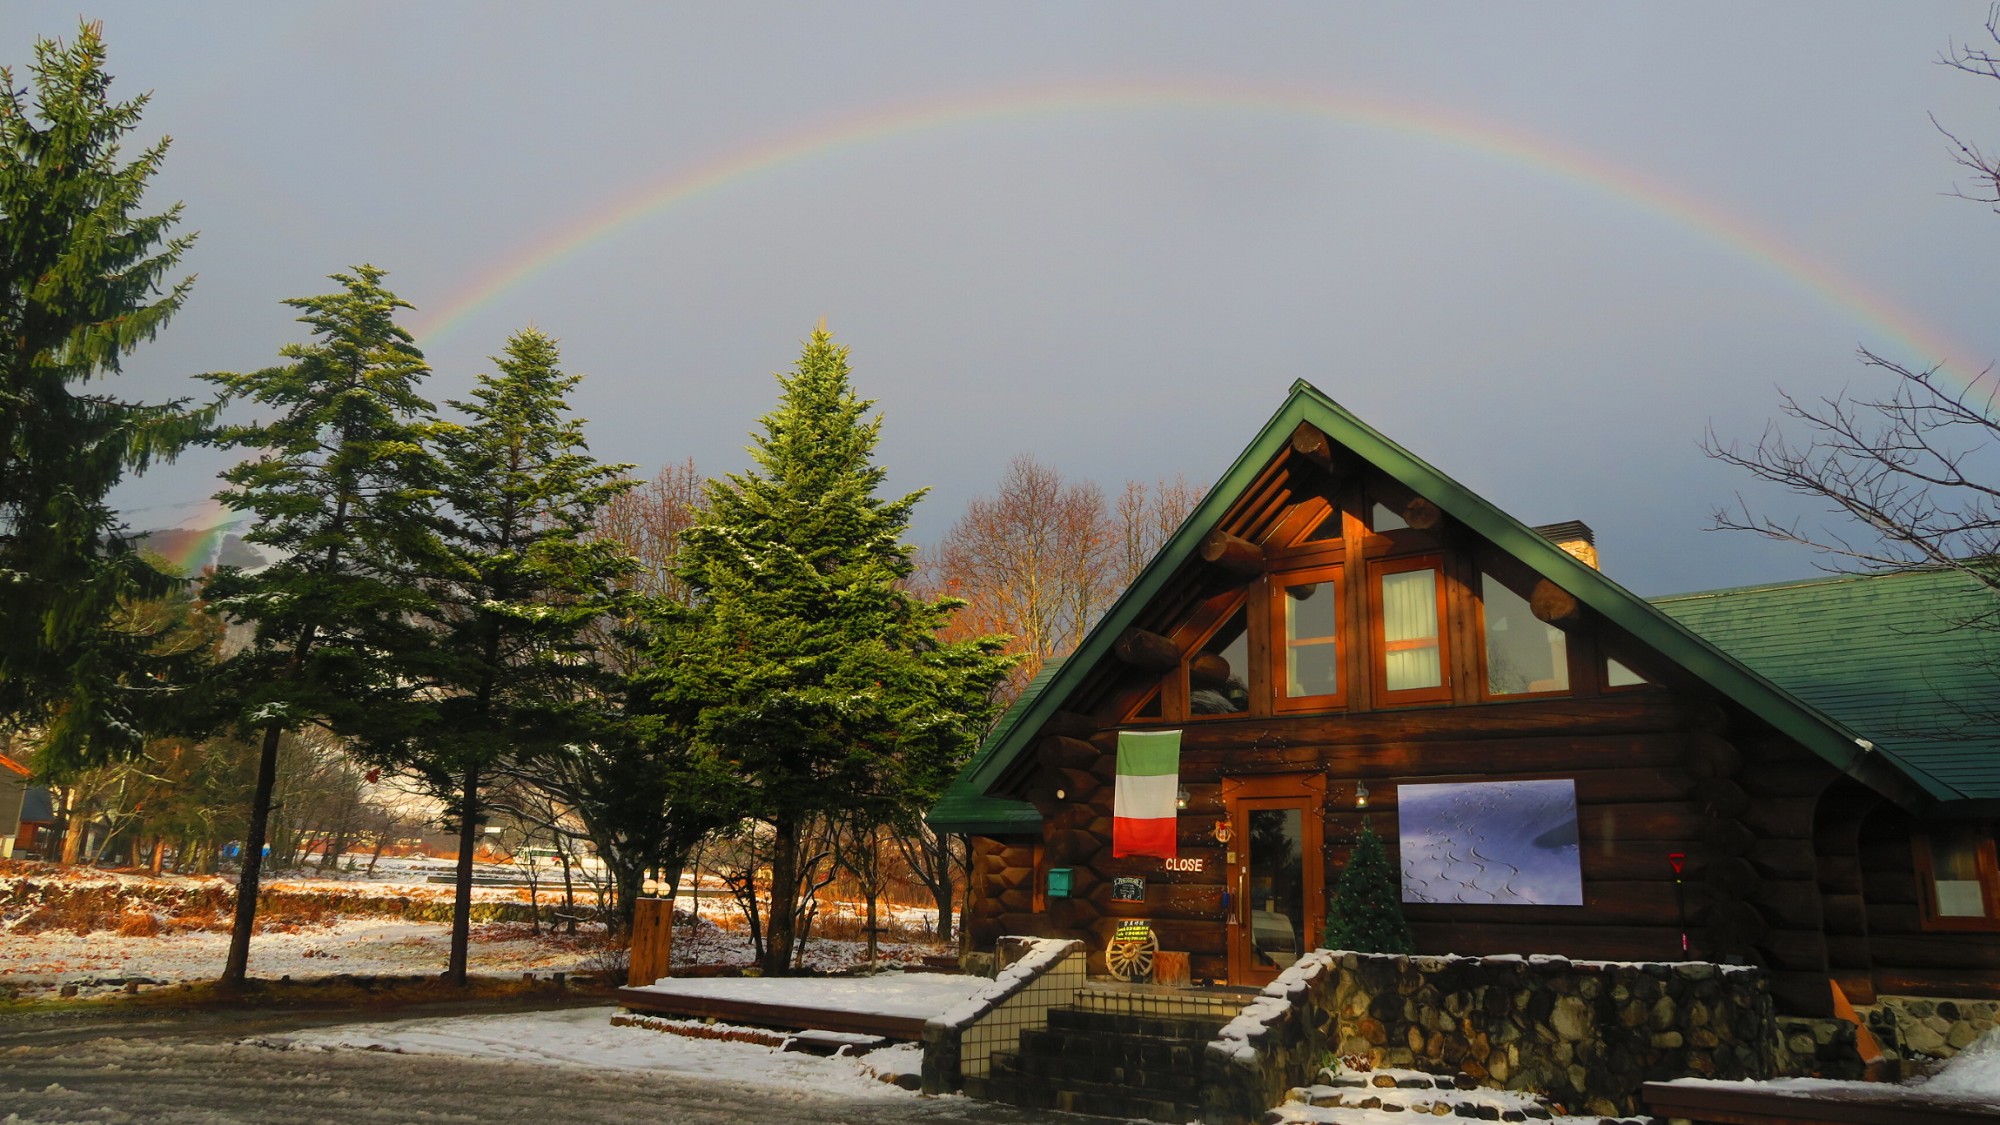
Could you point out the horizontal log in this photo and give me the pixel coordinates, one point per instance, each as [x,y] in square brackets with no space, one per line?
[1018,900]
[1711,755]
[1027,925]
[1077,786]
[1721,798]
[1887,919]
[1143,649]
[1734,926]
[1794,950]
[1421,514]
[1235,555]
[1808,779]
[1633,903]
[1209,669]
[1553,604]
[1784,858]
[1461,759]
[1850,951]
[1603,943]
[1789,904]
[1071,848]
[1727,837]
[1593,787]
[1069,724]
[1063,752]
[1936,950]
[1623,713]
[1963,984]
[1308,442]
[1734,877]
[1781,816]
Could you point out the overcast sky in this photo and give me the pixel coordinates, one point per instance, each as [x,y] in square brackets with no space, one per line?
[1542,246]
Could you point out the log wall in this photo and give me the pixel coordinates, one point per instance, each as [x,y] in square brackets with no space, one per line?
[1653,777]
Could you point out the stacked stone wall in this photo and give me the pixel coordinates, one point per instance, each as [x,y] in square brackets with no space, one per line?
[1587,1034]
[1917,1026]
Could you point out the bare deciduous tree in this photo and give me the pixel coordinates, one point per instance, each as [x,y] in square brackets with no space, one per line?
[1911,476]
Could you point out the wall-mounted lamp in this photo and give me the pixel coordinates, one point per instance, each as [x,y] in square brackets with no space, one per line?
[1059,794]
[1360,794]
[1181,797]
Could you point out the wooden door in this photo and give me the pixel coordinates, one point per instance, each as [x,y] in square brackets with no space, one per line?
[1276,871]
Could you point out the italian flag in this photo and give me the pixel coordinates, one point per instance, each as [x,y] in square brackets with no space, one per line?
[1149,777]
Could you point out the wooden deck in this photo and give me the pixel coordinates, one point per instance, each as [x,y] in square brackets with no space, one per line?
[1750,1105]
[784,1017]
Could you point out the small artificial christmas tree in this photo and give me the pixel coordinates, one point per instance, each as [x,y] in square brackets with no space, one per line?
[1368,912]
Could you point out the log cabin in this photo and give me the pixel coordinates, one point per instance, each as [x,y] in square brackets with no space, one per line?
[1799,776]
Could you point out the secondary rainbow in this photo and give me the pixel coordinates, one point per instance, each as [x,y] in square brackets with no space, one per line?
[1922,343]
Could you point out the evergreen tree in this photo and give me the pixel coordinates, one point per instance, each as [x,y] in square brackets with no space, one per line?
[524,577]
[82,275]
[343,486]
[802,667]
[1368,904]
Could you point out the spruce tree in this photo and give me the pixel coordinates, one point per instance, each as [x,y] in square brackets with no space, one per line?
[343,485]
[84,279]
[524,577]
[1368,905]
[802,667]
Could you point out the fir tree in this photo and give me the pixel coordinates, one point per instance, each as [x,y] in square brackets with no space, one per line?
[84,279]
[1368,905]
[343,486]
[802,667]
[524,578]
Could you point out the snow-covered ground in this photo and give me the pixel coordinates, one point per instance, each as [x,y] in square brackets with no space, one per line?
[587,1037]
[888,994]
[362,946]
[98,929]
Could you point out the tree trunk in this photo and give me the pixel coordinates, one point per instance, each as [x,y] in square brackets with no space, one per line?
[73,837]
[461,907]
[872,895]
[781,929]
[159,853]
[237,965]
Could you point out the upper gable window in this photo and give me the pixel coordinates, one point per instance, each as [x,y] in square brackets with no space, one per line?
[1218,672]
[1408,604]
[1381,518]
[1306,619]
[1618,675]
[1524,654]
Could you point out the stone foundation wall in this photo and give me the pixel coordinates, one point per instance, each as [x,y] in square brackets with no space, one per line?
[1586,1033]
[1912,1026]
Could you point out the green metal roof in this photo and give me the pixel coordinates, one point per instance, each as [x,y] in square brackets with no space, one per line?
[964,808]
[1811,727]
[1889,655]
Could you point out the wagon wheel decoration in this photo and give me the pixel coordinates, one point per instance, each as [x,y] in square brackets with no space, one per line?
[1130,958]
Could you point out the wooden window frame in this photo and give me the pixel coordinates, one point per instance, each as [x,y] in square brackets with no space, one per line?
[1378,649]
[1343,634]
[1481,571]
[1184,677]
[1989,888]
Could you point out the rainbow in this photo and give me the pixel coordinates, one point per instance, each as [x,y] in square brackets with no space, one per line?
[193,547]
[1922,343]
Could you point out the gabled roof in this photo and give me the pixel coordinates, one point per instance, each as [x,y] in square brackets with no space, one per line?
[1907,657]
[964,808]
[1811,727]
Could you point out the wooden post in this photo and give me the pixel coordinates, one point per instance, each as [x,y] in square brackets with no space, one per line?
[652,941]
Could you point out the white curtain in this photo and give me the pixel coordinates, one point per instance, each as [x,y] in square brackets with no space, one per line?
[1410,626]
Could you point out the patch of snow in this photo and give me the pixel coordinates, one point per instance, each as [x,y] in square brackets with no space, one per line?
[1972,1073]
[585,1037]
[887,994]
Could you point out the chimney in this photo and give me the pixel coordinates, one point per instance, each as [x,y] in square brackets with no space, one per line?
[1573,536]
